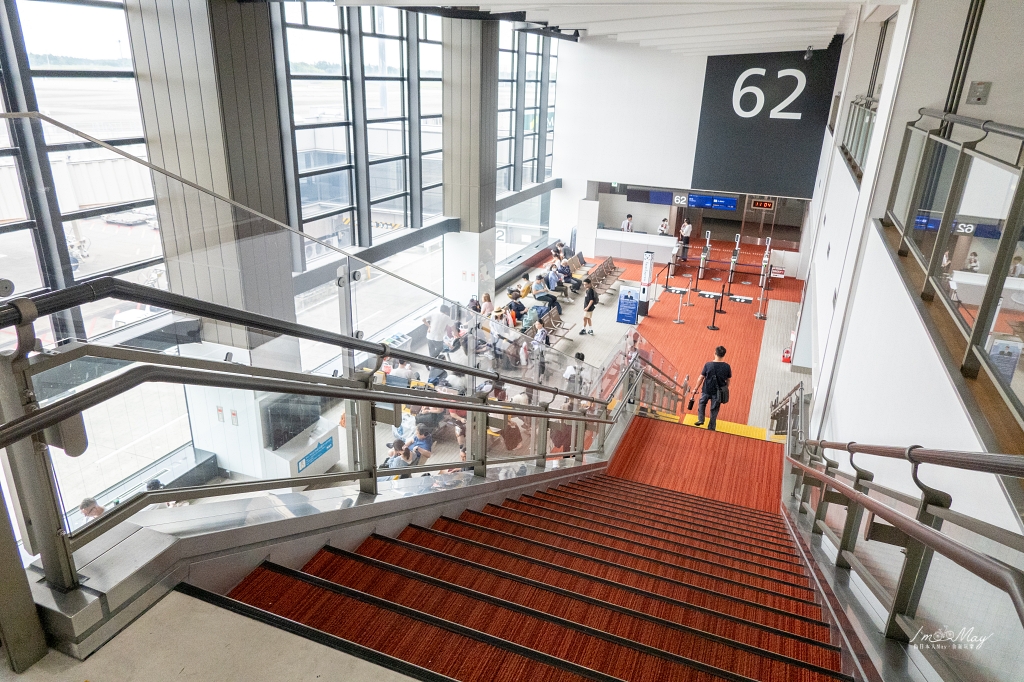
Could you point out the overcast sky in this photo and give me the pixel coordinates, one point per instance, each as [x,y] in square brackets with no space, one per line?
[74,31]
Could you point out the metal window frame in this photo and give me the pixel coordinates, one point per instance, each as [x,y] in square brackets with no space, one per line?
[517,170]
[542,122]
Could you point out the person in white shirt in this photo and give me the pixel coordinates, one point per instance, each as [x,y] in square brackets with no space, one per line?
[437,323]
[684,237]
[663,228]
[627,224]
[404,371]
[1017,267]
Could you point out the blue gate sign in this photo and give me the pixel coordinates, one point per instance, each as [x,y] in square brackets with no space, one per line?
[319,451]
[629,305]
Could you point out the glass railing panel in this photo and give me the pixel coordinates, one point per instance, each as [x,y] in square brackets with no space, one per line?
[1004,344]
[908,176]
[968,623]
[934,190]
[164,435]
[966,263]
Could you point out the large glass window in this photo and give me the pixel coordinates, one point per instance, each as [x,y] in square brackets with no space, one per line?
[507,66]
[81,74]
[520,226]
[318,40]
[386,86]
[431,136]
[534,97]
[318,79]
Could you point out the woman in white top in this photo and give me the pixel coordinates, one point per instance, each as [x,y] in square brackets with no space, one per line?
[487,307]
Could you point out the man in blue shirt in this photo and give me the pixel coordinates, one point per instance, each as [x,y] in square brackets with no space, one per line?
[542,292]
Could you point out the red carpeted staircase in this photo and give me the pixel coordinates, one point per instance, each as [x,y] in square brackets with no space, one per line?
[605,578]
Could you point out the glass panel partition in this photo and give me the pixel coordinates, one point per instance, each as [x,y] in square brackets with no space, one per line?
[931,193]
[907,180]
[966,263]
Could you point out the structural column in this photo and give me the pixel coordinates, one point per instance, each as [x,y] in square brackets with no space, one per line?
[470,109]
[208,95]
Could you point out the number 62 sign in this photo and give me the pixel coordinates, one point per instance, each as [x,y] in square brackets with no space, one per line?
[739,90]
[762,121]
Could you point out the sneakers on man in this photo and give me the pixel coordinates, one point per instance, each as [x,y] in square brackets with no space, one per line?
[590,331]
[583,332]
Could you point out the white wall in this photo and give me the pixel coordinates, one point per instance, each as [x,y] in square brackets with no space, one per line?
[892,388]
[874,359]
[625,113]
[831,248]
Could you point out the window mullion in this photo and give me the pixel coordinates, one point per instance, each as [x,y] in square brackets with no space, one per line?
[414,127]
[542,113]
[359,129]
[517,167]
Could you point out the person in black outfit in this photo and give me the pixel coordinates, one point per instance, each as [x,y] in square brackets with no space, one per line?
[714,377]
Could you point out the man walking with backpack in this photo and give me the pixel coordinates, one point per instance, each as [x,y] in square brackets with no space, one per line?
[714,382]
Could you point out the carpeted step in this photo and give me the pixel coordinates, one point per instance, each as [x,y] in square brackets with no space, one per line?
[701,647]
[770,519]
[726,514]
[634,591]
[691,539]
[614,528]
[717,466]
[779,583]
[739,592]
[431,647]
[587,647]
[706,528]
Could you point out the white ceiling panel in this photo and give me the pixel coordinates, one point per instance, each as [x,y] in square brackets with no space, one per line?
[689,26]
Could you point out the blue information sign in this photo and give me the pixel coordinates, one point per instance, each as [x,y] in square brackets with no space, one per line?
[629,305]
[712,201]
[319,451]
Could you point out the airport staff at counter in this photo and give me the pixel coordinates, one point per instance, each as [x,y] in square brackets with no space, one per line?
[627,224]
[631,245]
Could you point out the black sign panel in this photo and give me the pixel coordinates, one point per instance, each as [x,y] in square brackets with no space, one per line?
[762,121]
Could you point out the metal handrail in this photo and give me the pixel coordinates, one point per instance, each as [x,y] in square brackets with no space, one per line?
[988,126]
[111,287]
[56,412]
[992,571]
[990,463]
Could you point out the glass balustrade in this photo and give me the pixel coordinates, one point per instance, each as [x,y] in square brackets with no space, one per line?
[169,435]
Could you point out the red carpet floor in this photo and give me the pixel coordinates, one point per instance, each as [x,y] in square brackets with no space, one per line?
[740,471]
[688,346]
[600,578]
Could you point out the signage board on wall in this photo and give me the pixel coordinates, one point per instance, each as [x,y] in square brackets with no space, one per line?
[762,120]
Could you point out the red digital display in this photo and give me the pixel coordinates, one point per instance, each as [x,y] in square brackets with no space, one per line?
[767,205]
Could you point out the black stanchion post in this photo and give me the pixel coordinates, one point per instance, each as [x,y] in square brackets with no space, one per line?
[721,302]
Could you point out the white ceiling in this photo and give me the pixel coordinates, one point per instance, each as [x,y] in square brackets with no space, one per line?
[693,27]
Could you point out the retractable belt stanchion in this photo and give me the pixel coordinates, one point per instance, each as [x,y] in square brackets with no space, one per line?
[679,311]
[764,287]
[714,296]
[732,262]
[704,255]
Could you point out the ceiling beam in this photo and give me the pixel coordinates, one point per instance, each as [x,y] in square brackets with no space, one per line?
[766,36]
[736,30]
[729,18]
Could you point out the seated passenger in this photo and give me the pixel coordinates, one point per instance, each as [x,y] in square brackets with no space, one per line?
[421,445]
[404,370]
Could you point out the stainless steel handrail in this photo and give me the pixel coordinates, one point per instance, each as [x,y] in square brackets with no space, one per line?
[988,126]
[56,412]
[991,463]
[992,571]
[111,287]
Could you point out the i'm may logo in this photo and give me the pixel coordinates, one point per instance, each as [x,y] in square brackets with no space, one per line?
[965,638]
